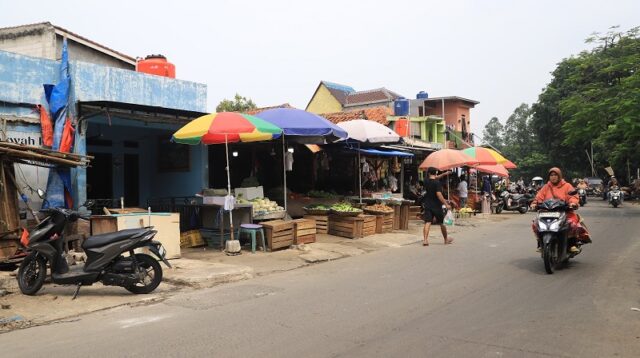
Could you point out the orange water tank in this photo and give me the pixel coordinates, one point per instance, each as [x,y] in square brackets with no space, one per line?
[156,65]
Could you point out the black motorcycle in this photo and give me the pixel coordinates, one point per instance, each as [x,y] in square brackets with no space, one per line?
[106,261]
[582,194]
[512,202]
[553,230]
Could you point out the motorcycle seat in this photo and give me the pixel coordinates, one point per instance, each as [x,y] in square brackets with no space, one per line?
[517,196]
[111,237]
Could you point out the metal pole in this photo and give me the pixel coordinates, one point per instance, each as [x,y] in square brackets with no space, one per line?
[284,172]
[593,170]
[226,148]
[359,175]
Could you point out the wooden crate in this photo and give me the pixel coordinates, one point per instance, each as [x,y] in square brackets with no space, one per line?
[304,231]
[346,226]
[414,211]
[368,224]
[279,234]
[322,223]
[404,216]
[384,223]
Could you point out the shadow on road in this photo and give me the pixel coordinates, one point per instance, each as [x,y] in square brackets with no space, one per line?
[532,264]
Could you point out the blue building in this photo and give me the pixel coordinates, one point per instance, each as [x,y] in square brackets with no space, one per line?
[123,118]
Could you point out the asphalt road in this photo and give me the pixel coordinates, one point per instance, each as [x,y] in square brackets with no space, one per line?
[487,295]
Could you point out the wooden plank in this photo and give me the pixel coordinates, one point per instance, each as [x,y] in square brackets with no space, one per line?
[9,213]
[305,239]
[102,224]
[304,232]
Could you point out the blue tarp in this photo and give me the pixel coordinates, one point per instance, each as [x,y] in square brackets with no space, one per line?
[384,153]
[298,123]
[58,98]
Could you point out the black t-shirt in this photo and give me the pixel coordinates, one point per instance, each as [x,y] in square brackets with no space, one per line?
[430,199]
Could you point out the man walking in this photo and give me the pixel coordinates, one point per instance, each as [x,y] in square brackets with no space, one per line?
[463,192]
[432,203]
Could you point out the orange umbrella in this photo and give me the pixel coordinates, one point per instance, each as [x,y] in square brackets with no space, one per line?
[485,156]
[509,165]
[446,159]
[497,169]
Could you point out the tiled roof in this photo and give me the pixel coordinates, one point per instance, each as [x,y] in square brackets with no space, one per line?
[370,96]
[451,98]
[262,109]
[376,114]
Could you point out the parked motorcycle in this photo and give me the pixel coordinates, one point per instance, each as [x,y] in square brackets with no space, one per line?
[106,262]
[615,196]
[512,202]
[553,230]
[582,193]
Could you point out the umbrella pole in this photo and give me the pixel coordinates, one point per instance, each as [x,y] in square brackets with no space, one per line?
[226,148]
[359,175]
[284,172]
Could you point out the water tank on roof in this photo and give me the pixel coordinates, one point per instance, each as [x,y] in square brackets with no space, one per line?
[401,107]
[422,95]
[156,65]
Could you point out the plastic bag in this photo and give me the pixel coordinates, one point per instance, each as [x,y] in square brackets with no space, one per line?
[449,220]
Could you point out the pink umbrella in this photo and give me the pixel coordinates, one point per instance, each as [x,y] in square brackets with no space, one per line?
[497,169]
[446,159]
[509,165]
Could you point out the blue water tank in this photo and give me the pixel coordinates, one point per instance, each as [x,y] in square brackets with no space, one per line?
[401,107]
[422,95]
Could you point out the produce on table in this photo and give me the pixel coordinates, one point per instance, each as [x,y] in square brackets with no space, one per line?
[345,208]
[380,208]
[318,207]
[263,206]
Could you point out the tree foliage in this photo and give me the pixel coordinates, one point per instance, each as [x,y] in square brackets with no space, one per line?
[492,133]
[238,104]
[593,99]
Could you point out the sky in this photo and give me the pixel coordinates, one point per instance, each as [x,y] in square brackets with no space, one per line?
[500,53]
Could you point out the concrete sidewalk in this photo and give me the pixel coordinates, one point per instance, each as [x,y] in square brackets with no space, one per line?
[200,268]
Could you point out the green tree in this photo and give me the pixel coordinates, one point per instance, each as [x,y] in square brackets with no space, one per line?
[492,133]
[238,104]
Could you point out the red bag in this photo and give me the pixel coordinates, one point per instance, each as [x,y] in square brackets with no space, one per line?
[47,127]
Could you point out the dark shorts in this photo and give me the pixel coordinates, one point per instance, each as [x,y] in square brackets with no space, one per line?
[433,216]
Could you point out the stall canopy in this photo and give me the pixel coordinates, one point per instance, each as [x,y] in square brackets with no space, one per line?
[365,131]
[485,156]
[445,159]
[384,153]
[493,169]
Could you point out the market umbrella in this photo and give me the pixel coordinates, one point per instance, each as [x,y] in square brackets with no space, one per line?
[226,127]
[509,165]
[485,156]
[365,131]
[496,169]
[445,159]
[301,127]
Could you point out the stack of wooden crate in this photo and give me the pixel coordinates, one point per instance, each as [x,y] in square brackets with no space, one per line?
[352,226]
[304,231]
[384,223]
[322,223]
[279,234]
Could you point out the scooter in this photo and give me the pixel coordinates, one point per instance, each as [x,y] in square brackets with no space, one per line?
[615,196]
[106,262]
[582,193]
[517,203]
[552,230]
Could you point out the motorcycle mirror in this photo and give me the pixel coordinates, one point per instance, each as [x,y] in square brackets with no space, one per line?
[41,193]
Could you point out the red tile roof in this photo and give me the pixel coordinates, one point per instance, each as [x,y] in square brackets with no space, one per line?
[262,109]
[376,114]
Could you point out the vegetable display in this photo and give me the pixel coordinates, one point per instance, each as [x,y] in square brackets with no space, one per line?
[263,206]
[379,208]
[344,208]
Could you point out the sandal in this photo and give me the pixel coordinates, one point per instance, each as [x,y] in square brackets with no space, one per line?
[425,244]
[448,241]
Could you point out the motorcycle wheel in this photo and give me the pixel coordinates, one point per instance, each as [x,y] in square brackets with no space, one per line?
[151,273]
[498,209]
[523,209]
[550,257]
[615,204]
[31,274]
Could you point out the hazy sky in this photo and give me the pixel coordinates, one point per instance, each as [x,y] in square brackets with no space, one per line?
[500,53]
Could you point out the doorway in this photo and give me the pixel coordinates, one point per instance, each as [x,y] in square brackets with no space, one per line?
[131,180]
[99,177]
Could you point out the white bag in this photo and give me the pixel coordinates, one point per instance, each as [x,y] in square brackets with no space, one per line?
[449,220]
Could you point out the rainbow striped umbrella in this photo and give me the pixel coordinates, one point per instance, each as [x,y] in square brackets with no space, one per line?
[485,156]
[226,127]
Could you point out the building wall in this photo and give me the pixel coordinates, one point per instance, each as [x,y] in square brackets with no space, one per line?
[453,111]
[388,104]
[36,41]
[324,102]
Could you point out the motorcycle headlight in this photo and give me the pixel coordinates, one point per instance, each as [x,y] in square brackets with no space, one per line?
[555,225]
[542,226]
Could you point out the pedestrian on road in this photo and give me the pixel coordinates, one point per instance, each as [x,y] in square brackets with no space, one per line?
[463,192]
[432,207]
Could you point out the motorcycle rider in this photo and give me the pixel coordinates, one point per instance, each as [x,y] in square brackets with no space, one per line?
[613,184]
[582,185]
[558,188]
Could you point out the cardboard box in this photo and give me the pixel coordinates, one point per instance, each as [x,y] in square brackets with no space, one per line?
[250,193]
